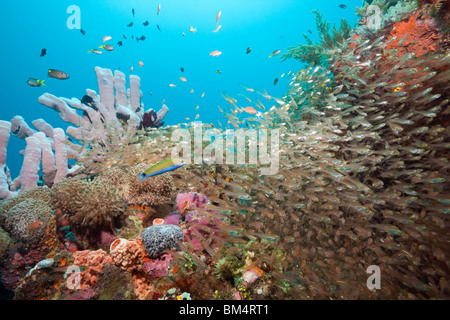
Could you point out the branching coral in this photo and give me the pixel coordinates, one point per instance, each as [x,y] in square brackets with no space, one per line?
[319,53]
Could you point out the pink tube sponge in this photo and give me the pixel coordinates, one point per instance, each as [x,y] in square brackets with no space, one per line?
[29,174]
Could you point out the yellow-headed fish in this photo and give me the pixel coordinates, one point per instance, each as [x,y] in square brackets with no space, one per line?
[162,167]
[52,73]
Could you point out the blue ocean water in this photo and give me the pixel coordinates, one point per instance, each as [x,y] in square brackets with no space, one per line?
[264,25]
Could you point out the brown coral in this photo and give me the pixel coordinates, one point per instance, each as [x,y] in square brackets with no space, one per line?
[39,193]
[154,191]
[5,242]
[28,220]
[92,204]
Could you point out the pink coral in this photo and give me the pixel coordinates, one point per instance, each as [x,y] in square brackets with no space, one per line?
[173,218]
[93,261]
[158,267]
[106,238]
[188,201]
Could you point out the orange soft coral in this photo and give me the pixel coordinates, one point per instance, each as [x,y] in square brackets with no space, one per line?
[415,35]
[143,287]
[93,261]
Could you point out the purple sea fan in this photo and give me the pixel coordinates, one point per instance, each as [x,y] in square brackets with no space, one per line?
[158,267]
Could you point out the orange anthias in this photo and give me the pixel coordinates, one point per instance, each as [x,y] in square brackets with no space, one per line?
[250,110]
[215,53]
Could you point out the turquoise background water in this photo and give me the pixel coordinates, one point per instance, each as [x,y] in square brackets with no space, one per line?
[264,25]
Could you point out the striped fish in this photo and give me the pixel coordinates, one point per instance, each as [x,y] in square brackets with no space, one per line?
[161,167]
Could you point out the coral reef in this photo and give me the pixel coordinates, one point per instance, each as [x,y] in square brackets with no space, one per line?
[39,193]
[389,11]
[113,284]
[154,191]
[363,180]
[158,267]
[366,171]
[407,32]
[190,201]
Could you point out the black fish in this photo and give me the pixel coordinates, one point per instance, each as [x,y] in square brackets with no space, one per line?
[145,23]
[158,28]
[82,31]
[309,31]
[132,10]
[132,37]
[275,81]
[342,6]
[130,25]
[87,100]
[119,43]
[124,37]
[182,69]
[248,50]
[43,52]
[137,39]
[142,38]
